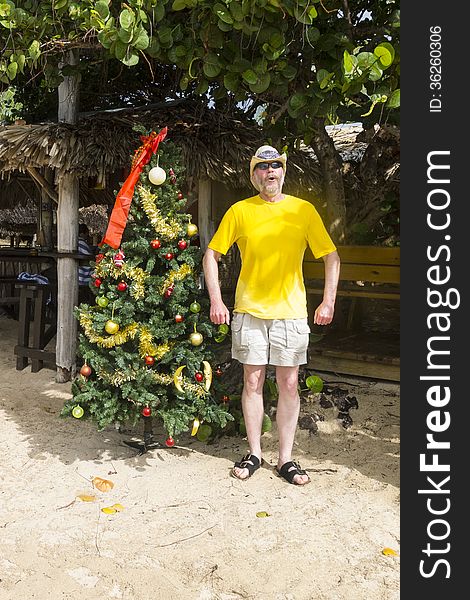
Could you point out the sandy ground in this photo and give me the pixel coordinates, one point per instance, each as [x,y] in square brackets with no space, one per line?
[188,531]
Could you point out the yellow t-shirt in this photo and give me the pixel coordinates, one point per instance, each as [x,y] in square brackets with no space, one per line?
[272,238]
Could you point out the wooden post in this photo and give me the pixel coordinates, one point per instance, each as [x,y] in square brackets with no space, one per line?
[45,233]
[205,222]
[67,236]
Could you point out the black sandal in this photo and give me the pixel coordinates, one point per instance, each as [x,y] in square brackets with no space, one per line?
[289,470]
[250,462]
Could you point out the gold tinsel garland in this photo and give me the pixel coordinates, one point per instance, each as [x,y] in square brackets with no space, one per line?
[146,346]
[167,228]
[177,275]
[136,275]
[119,377]
[192,387]
[119,338]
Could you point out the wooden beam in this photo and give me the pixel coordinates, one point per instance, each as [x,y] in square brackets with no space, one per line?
[67,236]
[44,184]
[205,223]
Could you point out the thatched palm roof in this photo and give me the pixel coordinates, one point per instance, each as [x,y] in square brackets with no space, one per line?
[213,143]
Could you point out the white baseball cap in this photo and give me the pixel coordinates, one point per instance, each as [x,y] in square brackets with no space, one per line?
[267,154]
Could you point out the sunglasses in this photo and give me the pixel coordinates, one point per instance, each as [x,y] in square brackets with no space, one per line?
[264,166]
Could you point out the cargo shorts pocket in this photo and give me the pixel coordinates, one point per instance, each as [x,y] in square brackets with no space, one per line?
[298,336]
[239,332]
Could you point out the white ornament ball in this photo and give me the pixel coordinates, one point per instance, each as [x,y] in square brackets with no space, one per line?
[157,175]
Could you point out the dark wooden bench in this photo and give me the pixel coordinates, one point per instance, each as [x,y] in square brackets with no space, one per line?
[366,272]
[8,295]
[35,328]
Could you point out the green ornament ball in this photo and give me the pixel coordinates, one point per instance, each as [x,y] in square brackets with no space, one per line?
[77,411]
[195,307]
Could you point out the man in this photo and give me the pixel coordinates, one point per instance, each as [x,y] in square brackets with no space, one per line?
[269,326]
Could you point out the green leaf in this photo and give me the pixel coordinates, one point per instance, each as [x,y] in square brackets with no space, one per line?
[120,49]
[5,9]
[385,53]
[125,35]
[202,87]
[375,72]
[313,34]
[166,37]
[297,104]
[231,82]
[58,4]
[276,40]
[236,11]
[289,72]
[141,40]
[250,76]
[221,11]
[20,59]
[102,9]
[131,60]
[179,5]
[324,78]
[365,60]
[305,14]
[34,50]
[106,38]
[394,100]
[223,26]
[314,383]
[211,66]
[126,19]
[184,82]
[262,84]
[12,70]
[158,12]
[348,62]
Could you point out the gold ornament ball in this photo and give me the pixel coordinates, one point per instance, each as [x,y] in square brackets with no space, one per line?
[157,175]
[111,327]
[192,229]
[196,338]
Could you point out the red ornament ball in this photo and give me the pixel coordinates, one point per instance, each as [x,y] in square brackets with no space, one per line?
[180,195]
[85,371]
[182,244]
[155,244]
[149,360]
[170,442]
[97,282]
[169,255]
[146,411]
[179,318]
[219,372]
[198,376]
[121,286]
[168,292]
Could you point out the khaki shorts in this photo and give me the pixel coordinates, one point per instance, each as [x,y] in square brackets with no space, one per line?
[279,342]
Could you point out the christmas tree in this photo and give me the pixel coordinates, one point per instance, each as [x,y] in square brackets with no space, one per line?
[146,342]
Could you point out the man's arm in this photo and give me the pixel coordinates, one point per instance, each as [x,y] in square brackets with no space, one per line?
[219,313]
[325,311]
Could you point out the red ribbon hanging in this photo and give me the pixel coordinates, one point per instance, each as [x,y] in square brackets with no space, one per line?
[118,219]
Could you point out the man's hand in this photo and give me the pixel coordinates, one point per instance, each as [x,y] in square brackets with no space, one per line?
[219,313]
[324,313]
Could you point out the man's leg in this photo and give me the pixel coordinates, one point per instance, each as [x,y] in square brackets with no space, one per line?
[253,410]
[287,415]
